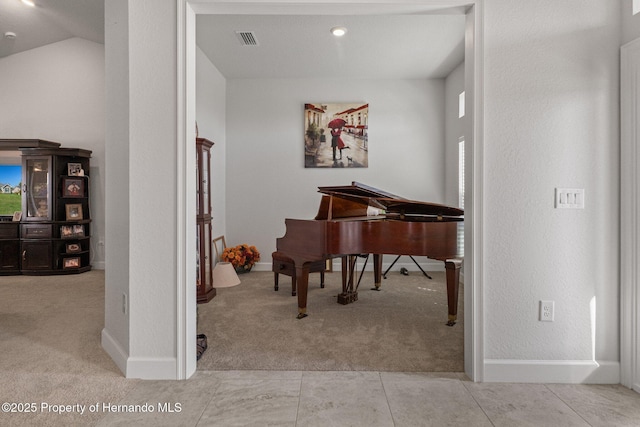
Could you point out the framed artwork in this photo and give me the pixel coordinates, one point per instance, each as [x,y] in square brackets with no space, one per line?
[336,135]
[75,169]
[74,211]
[17,216]
[73,248]
[219,246]
[72,187]
[73,262]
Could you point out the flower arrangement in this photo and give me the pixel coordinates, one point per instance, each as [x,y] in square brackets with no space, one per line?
[242,257]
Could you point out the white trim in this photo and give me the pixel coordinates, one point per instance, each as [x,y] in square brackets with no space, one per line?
[100,265]
[150,368]
[552,371]
[115,351]
[139,367]
[186,311]
[630,216]
[474,224]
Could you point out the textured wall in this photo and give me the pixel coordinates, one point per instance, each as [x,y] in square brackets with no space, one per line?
[266,178]
[551,120]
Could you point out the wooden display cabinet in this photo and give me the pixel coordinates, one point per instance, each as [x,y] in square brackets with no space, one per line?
[55,231]
[204,240]
[9,247]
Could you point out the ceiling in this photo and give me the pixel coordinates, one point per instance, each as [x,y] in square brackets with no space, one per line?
[301,46]
[405,46]
[49,22]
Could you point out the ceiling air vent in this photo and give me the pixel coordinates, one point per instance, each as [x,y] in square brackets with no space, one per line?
[247,38]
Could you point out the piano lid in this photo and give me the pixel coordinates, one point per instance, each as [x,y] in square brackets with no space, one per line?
[358,189]
[370,196]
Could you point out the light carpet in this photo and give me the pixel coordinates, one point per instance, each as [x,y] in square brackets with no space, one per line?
[400,328]
[50,354]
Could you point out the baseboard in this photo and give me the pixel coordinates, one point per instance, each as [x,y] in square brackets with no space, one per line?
[114,350]
[152,368]
[139,367]
[552,371]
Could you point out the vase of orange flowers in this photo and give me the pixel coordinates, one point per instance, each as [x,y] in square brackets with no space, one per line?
[242,257]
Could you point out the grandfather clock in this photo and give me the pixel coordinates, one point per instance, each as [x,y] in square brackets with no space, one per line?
[205,261]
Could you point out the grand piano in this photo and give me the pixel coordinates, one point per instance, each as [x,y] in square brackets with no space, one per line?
[358,219]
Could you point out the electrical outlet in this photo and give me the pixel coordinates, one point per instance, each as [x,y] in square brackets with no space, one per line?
[547,311]
[124,304]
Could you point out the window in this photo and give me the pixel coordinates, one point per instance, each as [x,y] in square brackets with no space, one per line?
[461,105]
[636,6]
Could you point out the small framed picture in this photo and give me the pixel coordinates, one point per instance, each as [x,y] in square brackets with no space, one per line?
[17,216]
[219,245]
[74,211]
[66,231]
[78,230]
[73,262]
[72,187]
[75,169]
[73,248]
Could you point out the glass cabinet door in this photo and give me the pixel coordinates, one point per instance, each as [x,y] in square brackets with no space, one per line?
[37,189]
[206,186]
[206,258]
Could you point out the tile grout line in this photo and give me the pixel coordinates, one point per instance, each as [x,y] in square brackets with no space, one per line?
[568,405]
[386,398]
[477,403]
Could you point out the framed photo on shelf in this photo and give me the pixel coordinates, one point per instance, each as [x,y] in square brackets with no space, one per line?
[74,211]
[73,248]
[72,187]
[71,231]
[17,216]
[75,169]
[73,262]
[78,230]
[66,231]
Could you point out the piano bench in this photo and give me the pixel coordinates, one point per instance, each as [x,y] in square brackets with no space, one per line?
[282,264]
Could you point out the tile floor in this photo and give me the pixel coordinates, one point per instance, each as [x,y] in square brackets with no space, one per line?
[276,398]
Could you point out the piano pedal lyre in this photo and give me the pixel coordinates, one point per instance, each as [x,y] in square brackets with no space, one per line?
[347,298]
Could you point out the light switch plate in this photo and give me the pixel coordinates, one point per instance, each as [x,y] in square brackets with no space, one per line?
[569,198]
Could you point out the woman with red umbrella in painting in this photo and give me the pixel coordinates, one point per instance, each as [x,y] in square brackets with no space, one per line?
[336,142]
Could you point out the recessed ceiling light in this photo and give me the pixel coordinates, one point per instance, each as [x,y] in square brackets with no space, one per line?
[29,3]
[338,31]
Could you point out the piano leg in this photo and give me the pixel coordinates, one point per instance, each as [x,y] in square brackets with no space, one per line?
[377,271]
[453,285]
[302,283]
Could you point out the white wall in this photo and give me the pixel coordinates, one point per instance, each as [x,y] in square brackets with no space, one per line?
[266,178]
[56,93]
[116,333]
[144,230]
[551,120]
[211,116]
